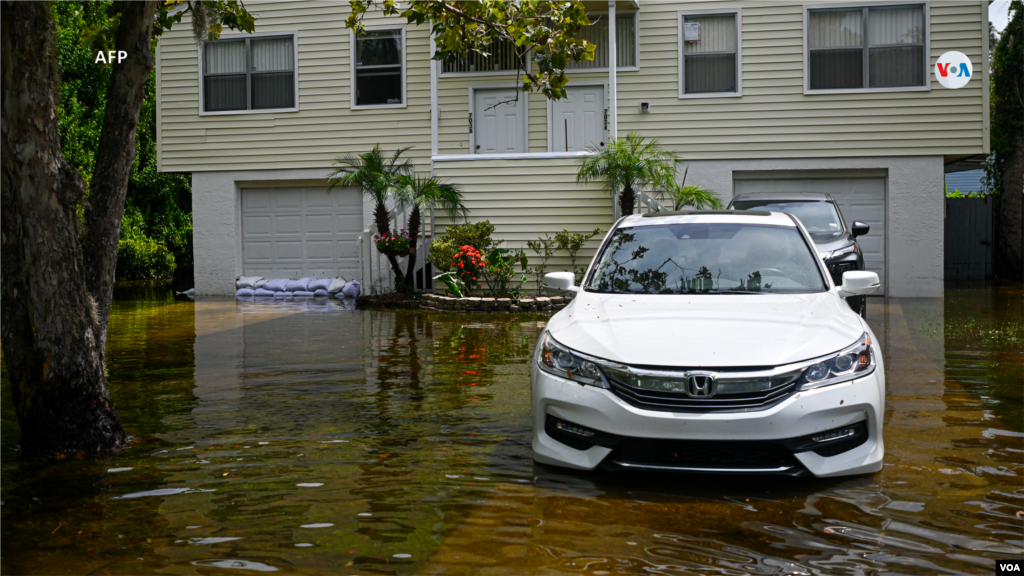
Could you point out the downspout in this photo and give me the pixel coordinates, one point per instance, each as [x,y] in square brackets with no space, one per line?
[613,96]
[435,115]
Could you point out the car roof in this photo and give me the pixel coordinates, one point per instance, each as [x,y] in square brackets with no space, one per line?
[710,217]
[784,196]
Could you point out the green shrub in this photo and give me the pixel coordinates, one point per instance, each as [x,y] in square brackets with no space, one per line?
[140,257]
[444,248]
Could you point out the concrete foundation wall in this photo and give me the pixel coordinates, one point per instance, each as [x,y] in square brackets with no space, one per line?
[217,220]
[914,214]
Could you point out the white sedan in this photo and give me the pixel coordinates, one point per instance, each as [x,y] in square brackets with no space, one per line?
[709,342]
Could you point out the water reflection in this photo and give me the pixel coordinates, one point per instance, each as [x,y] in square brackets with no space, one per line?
[283,438]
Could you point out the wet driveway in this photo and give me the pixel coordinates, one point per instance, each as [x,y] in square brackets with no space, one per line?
[329,441]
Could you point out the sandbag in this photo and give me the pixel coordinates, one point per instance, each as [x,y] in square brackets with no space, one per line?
[282,294]
[261,293]
[260,283]
[321,293]
[299,285]
[336,285]
[319,284]
[276,285]
[244,293]
[302,294]
[352,289]
[247,281]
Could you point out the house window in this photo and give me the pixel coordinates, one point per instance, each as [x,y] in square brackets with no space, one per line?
[866,47]
[710,58]
[379,75]
[249,74]
[597,34]
[501,56]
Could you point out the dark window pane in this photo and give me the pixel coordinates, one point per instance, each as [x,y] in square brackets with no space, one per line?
[378,86]
[379,48]
[837,69]
[502,56]
[896,66]
[224,93]
[710,73]
[274,90]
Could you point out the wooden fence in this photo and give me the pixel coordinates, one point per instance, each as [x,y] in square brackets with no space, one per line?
[968,238]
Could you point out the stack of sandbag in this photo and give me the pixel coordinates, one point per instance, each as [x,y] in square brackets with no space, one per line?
[257,286]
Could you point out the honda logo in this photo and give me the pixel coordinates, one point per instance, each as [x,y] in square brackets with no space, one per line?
[700,385]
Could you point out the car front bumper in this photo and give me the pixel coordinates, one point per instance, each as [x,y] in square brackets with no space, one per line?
[785,429]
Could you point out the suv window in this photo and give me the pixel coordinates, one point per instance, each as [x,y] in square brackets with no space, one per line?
[819,217]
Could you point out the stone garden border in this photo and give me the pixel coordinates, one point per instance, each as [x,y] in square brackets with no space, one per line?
[474,304]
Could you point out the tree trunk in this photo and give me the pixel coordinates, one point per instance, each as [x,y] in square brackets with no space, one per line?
[627,200]
[116,153]
[1009,241]
[51,331]
[414,233]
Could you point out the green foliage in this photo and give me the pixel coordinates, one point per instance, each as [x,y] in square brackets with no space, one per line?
[1006,82]
[693,195]
[140,257]
[628,165]
[545,30]
[428,191]
[572,242]
[158,204]
[500,272]
[376,173]
[444,248]
[544,248]
[958,194]
[454,284]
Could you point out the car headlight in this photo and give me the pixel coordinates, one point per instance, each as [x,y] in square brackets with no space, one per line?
[852,248]
[556,359]
[854,362]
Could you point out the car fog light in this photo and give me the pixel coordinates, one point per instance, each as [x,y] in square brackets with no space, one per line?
[566,427]
[835,435]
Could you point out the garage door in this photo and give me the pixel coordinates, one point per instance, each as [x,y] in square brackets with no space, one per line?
[859,199]
[300,232]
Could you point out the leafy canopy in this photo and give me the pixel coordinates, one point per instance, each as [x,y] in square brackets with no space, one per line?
[629,163]
[547,30]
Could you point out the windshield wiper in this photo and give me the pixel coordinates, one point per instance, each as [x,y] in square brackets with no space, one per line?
[732,292]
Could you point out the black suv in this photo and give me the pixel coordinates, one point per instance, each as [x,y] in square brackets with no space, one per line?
[836,244]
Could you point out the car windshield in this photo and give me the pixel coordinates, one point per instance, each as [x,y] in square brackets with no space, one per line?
[721,258]
[819,217]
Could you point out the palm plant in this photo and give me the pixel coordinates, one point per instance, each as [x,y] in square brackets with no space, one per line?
[627,165]
[375,173]
[424,191]
[692,195]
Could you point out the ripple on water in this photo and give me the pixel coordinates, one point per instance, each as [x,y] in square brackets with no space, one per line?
[236,565]
[160,492]
[318,525]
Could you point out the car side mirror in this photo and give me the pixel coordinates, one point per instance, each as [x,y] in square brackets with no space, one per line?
[560,282]
[860,229]
[859,283]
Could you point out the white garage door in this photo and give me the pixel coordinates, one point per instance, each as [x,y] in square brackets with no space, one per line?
[859,199]
[300,232]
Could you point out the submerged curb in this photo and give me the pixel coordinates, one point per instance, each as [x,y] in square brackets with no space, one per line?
[474,304]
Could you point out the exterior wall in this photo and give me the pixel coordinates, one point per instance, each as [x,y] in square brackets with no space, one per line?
[914,212]
[217,221]
[525,199]
[325,125]
[772,119]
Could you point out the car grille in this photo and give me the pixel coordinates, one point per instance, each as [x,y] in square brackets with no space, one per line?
[705,454]
[682,402]
[837,270]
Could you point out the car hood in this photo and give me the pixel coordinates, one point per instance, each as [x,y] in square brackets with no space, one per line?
[706,330]
[825,244]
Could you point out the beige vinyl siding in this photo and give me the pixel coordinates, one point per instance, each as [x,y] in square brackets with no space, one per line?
[525,199]
[323,128]
[775,119]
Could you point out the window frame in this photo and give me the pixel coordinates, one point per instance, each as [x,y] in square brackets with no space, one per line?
[524,129]
[926,10]
[248,72]
[352,51]
[738,13]
[636,46]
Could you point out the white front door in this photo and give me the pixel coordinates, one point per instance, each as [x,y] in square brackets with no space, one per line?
[499,121]
[577,121]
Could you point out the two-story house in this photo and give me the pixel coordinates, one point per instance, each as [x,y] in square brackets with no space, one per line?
[835,97]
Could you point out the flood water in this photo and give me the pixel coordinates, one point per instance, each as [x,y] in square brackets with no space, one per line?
[331,441]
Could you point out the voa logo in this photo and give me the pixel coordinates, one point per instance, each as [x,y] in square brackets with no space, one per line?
[953,70]
[1008,567]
